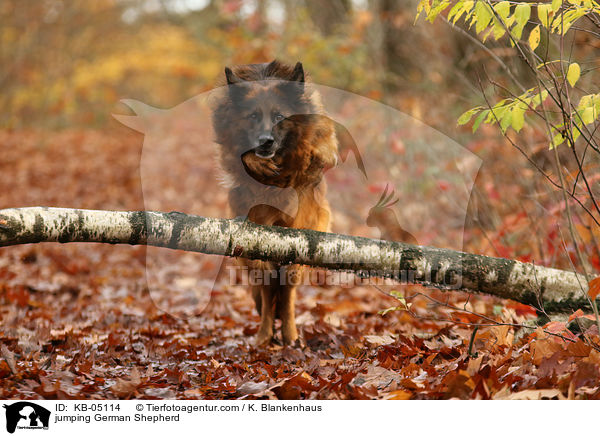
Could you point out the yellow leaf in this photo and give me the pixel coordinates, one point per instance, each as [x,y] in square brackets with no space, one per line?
[556,141]
[588,115]
[573,73]
[399,395]
[556,4]
[455,12]
[518,117]
[502,9]
[543,11]
[534,38]
[464,118]
[482,16]
[521,15]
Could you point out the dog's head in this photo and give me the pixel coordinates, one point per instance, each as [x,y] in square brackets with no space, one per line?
[262,98]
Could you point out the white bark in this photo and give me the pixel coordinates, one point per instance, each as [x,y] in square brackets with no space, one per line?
[556,290]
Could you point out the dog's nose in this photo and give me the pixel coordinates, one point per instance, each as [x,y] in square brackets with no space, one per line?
[264,140]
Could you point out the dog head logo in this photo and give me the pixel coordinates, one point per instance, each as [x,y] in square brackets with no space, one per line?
[26,415]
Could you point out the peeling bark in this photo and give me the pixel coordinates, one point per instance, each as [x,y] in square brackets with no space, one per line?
[556,290]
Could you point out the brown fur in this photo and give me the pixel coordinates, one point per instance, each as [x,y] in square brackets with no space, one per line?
[286,189]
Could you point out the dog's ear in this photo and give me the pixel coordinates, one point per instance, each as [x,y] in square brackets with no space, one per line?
[231,77]
[294,85]
[236,85]
[298,73]
[272,68]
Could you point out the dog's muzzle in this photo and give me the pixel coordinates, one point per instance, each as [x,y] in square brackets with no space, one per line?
[266,147]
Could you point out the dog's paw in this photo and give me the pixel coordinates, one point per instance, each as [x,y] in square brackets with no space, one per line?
[297,343]
[290,336]
[260,169]
[262,339]
[269,168]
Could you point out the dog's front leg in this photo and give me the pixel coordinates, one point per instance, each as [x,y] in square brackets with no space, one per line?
[267,315]
[288,317]
[291,277]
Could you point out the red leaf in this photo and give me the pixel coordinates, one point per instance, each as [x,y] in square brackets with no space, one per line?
[594,288]
[575,315]
[556,327]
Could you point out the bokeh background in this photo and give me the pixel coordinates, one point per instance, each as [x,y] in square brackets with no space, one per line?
[80,320]
[68,63]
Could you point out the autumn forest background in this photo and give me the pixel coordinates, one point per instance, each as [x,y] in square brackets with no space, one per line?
[80,321]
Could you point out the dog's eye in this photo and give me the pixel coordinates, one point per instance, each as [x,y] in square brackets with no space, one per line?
[278,117]
[253,116]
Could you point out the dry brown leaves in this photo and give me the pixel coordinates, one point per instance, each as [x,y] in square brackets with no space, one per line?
[79,322]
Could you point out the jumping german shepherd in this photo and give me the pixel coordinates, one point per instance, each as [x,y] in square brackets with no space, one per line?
[274,145]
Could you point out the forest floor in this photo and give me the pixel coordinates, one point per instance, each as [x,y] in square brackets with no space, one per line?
[79,321]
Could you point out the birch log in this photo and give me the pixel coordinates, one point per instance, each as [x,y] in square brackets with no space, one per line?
[555,290]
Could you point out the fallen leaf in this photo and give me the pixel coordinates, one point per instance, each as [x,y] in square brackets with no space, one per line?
[534,394]
[594,288]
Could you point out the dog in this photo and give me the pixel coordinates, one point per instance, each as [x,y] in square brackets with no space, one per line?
[274,143]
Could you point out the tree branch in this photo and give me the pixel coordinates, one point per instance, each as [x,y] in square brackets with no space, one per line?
[556,290]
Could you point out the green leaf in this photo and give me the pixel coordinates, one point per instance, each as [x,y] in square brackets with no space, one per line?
[436,10]
[502,9]
[585,101]
[497,112]
[397,295]
[483,16]
[543,11]
[456,11]
[589,108]
[403,304]
[534,38]
[556,4]
[499,30]
[538,99]
[588,116]
[576,133]
[563,22]
[521,15]
[573,73]
[466,117]
[479,119]
[556,141]
[506,120]
[469,5]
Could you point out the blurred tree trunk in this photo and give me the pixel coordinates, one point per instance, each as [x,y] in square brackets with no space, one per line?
[397,51]
[328,15]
